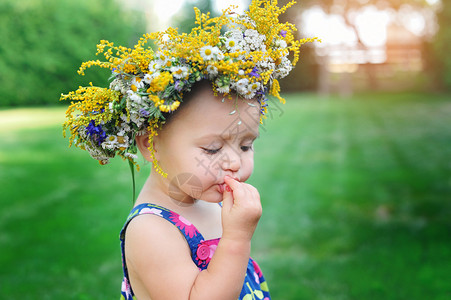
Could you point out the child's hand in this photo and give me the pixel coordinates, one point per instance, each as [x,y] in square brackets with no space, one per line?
[241,210]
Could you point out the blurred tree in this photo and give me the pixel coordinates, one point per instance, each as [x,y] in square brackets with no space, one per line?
[43,42]
[441,46]
[305,74]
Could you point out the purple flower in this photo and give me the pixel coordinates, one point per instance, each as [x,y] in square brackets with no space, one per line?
[144,113]
[283,33]
[254,72]
[95,133]
[263,103]
[179,85]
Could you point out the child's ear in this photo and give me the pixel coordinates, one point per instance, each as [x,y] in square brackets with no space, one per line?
[142,141]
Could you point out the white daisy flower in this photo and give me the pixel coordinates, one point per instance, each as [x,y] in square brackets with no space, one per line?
[137,119]
[148,78]
[160,56]
[138,82]
[122,142]
[179,72]
[211,53]
[110,142]
[242,82]
[162,61]
[111,139]
[241,86]
[154,66]
[232,44]
[219,55]
[249,95]
[134,97]
[212,71]
[207,52]
[254,86]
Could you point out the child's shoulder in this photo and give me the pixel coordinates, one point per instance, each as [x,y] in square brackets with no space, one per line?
[153,229]
[154,251]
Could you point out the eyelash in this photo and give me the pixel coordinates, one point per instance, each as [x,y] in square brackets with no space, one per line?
[211,151]
[215,151]
[246,148]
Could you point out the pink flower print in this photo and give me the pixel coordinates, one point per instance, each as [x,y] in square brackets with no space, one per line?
[257,269]
[153,211]
[256,278]
[183,224]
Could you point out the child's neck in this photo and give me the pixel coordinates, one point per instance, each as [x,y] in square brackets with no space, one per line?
[205,216]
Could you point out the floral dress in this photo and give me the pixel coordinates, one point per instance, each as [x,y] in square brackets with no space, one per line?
[254,287]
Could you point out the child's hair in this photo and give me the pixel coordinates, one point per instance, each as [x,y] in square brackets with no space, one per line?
[148,86]
[187,97]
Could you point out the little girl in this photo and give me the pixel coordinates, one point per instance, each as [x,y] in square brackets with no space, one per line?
[208,157]
[189,233]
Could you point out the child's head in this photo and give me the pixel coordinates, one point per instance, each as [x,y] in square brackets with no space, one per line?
[242,66]
[206,139]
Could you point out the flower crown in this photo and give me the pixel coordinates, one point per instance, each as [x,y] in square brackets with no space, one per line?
[247,60]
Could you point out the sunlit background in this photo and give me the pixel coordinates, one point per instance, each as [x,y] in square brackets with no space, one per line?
[354,171]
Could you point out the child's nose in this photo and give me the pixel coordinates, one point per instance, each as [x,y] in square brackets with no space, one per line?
[231,161]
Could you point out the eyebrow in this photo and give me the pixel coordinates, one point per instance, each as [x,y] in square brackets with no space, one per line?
[228,135]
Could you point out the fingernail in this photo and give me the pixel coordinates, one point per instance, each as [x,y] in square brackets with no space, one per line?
[228,189]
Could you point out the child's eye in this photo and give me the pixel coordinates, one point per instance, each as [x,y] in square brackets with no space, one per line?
[211,151]
[246,148]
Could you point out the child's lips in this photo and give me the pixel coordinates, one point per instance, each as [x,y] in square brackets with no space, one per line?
[222,187]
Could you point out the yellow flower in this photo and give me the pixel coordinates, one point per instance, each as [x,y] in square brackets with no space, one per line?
[160,83]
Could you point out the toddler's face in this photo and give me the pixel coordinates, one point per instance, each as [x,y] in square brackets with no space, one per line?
[206,141]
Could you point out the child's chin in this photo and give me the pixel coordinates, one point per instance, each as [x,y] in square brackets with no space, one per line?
[212,196]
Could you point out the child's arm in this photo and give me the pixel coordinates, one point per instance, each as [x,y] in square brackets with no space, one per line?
[160,264]
[225,274]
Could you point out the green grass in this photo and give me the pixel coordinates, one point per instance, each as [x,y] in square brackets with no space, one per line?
[356,195]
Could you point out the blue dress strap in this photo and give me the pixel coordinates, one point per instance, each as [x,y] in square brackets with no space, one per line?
[189,231]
